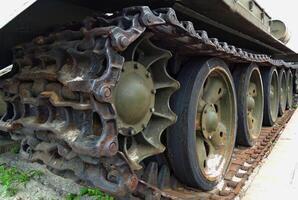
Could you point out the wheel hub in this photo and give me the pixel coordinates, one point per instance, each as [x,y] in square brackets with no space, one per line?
[271,91]
[134,98]
[141,100]
[250,103]
[209,120]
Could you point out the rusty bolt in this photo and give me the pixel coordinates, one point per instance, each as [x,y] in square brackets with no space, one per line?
[133,182]
[113,148]
[148,18]
[124,42]
[39,40]
[105,92]
[113,175]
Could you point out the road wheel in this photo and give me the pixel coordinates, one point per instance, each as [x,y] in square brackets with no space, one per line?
[250,100]
[201,143]
[271,95]
[283,92]
[289,89]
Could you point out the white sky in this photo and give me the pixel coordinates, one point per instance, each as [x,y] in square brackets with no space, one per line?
[285,10]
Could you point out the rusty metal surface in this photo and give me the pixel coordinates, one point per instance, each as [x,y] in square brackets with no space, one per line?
[64,78]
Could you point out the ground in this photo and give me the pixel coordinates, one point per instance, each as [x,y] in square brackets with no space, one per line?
[47,186]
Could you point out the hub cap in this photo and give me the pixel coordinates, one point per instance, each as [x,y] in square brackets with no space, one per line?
[141,99]
[134,98]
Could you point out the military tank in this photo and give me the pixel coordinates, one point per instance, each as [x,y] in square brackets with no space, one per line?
[135,97]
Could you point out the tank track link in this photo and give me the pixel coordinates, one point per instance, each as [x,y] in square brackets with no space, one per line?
[63,83]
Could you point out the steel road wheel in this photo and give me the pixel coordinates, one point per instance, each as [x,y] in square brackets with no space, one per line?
[271,95]
[289,89]
[283,92]
[201,143]
[250,101]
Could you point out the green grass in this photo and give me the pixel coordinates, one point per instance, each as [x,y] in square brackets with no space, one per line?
[91,192]
[12,178]
[15,149]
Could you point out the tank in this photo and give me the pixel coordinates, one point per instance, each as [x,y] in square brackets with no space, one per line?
[142,98]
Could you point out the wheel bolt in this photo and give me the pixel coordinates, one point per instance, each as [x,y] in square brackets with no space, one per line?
[148,74]
[153,91]
[133,183]
[105,92]
[124,42]
[113,148]
[152,110]
[132,131]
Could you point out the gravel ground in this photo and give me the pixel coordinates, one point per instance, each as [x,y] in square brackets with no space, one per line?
[46,187]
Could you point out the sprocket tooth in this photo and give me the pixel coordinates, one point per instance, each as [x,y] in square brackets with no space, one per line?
[150,53]
[164,178]
[161,77]
[141,149]
[151,173]
[166,111]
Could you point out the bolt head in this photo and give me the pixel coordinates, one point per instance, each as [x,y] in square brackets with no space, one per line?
[133,183]
[105,92]
[124,42]
[132,132]
[113,148]
[148,75]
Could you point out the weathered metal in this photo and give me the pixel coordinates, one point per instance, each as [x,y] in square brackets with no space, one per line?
[274,96]
[250,102]
[243,22]
[290,85]
[283,91]
[61,100]
[216,124]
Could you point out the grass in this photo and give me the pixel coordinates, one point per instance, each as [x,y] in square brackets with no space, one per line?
[91,192]
[12,178]
[15,149]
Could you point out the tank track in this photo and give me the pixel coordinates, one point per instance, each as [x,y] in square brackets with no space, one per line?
[64,81]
